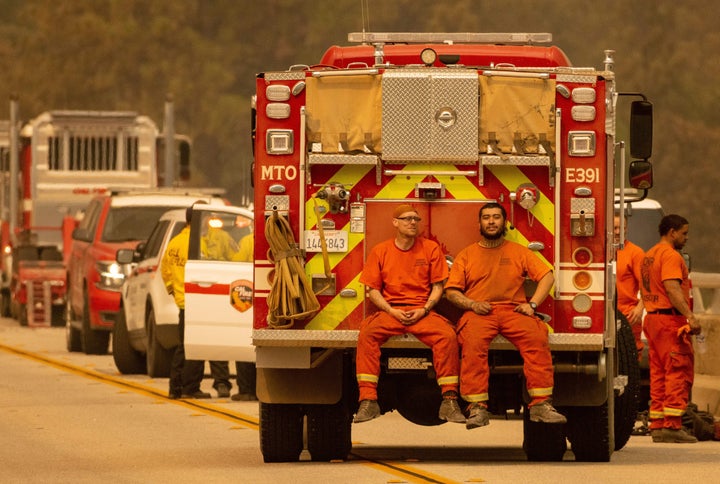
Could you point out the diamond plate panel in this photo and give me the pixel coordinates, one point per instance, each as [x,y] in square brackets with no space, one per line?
[281,203]
[430,115]
[585,205]
[348,338]
[285,76]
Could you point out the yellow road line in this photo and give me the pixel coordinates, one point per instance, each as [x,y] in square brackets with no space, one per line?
[408,473]
[244,419]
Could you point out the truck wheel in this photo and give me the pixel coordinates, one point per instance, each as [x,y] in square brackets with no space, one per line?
[93,342]
[543,442]
[418,400]
[57,315]
[626,405]
[5,303]
[281,432]
[127,360]
[22,315]
[158,358]
[73,341]
[589,433]
[329,431]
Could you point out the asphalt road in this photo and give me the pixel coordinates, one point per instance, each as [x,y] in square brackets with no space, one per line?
[70,417]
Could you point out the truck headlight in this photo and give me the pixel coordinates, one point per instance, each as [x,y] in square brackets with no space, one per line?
[111,275]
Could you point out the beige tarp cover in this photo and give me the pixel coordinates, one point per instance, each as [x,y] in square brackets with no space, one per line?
[516,108]
[344,113]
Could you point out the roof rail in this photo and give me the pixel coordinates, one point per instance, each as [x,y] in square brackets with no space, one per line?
[201,192]
[449,37]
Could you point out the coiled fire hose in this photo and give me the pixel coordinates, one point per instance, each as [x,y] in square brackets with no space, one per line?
[291,297]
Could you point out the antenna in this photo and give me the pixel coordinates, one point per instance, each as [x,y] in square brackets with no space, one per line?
[365,9]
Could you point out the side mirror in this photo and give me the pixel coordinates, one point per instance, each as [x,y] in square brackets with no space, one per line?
[125,256]
[641,174]
[641,129]
[80,234]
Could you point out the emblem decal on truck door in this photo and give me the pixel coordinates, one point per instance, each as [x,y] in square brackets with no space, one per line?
[241,293]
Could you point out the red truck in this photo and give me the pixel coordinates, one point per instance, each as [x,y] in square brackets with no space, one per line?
[446,122]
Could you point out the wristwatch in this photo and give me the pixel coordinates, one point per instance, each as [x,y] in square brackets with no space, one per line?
[533,306]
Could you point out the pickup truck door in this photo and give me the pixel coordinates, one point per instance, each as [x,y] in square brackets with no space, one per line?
[218,289]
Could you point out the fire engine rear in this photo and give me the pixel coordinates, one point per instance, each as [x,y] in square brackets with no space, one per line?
[446,122]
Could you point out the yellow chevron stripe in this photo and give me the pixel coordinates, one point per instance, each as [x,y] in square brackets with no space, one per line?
[339,308]
[512,177]
[348,175]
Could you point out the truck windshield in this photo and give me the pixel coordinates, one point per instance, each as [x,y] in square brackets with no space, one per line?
[125,224]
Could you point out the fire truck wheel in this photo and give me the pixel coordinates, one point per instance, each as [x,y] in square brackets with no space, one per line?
[418,399]
[329,432]
[543,442]
[22,315]
[158,358]
[589,433]
[127,360]
[626,404]
[93,342]
[5,303]
[281,432]
[57,315]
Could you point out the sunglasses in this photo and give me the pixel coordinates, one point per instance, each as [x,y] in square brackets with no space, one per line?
[409,219]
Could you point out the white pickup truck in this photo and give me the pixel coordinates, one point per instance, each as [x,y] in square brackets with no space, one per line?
[218,293]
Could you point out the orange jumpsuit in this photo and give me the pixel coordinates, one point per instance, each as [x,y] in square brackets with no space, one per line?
[629,264]
[671,356]
[496,275]
[404,278]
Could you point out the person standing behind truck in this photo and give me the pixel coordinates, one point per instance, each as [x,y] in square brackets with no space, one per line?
[185,375]
[629,261]
[405,276]
[487,281]
[217,243]
[669,322]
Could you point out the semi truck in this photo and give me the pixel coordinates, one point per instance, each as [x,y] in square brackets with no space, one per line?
[446,122]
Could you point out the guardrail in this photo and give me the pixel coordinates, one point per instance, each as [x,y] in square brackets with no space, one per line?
[708,284]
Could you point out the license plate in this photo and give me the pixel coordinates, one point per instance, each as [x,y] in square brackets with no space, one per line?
[336,241]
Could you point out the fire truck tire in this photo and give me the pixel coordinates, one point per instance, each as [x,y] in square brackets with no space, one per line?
[57,315]
[127,360]
[158,358]
[5,303]
[626,405]
[22,315]
[543,442]
[93,342]
[329,432]
[589,433]
[418,400]
[281,432]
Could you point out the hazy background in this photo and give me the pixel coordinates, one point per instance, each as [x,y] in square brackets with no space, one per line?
[128,54]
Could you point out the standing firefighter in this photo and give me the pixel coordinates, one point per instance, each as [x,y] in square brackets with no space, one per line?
[668,324]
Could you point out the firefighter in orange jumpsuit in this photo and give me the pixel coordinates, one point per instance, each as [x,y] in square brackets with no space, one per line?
[629,261]
[669,322]
[404,277]
[486,280]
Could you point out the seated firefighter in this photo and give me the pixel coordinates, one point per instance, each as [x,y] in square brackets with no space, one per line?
[404,276]
[486,281]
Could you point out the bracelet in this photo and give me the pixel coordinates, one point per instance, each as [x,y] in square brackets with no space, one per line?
[427,311]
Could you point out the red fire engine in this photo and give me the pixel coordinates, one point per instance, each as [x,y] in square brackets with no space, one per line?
[446,122]
[59,160]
